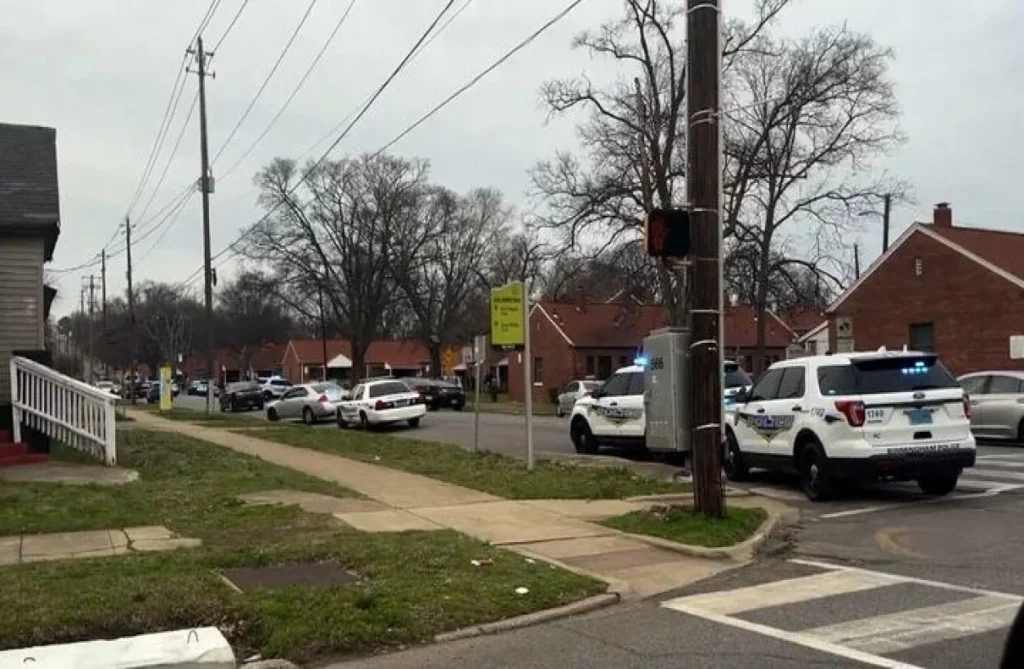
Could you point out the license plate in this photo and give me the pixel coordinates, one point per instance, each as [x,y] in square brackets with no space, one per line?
[401,403]
[920,417]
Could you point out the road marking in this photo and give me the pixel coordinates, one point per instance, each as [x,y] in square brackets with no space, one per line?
[857,512]
[788,591]
[893,540]
[998,457]
[792,637]
[997,474]
[1002,463]
[908,579]
[899,631]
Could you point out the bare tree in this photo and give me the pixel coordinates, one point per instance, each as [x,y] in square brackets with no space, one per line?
[338,230]
[250,313]
[806,118]
[167,315]
[633,139]
[440,264]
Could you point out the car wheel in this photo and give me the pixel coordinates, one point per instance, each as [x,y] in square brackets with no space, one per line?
[363,423]
[342,423]
[458,407]
[815,478]
[938,485]
[414,422]
[307,416]
[232,406]
[1020,433]
[272,415]
[558,411]
[733,462]
[583,439]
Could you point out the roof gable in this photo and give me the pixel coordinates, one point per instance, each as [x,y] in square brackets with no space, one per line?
[1000,252]
[29,200]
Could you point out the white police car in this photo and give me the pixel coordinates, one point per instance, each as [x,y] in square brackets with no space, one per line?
[853,417]
[612,414]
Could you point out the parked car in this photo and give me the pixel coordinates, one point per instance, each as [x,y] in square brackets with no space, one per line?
[882,416]
[997,404]
[108,387]
[274,387]
[382,403]
[311,402]
[573,391]
[611,415]
[244,395]
[437,393]
[198,388]
[153,393]
[734,381]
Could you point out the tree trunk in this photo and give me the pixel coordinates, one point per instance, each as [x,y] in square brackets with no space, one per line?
[435,360]
[359,348]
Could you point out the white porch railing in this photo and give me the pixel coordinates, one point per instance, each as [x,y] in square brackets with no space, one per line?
[63,408]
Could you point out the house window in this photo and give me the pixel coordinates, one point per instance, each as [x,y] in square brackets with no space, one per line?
[918,267]
[623,361]
[591,365]
[538,370]
[604,366]
[922,337]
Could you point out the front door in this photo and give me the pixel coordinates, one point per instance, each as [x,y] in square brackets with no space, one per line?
[1002,406]
[292,402]
[751,418]
[780,413]
[606,416]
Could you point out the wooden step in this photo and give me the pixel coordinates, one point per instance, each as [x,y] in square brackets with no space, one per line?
[10,449]
[26,459]
[5,437]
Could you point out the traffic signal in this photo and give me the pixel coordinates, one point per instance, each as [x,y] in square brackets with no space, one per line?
[667,233]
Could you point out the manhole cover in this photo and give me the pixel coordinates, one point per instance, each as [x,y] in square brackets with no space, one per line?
[278,577]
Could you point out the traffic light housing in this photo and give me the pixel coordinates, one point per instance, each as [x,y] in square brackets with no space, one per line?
[667,233]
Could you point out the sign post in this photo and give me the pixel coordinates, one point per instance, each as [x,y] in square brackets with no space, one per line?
[166,397]
[478,353]
[510,329]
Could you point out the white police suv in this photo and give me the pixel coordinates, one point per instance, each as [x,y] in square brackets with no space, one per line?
[611,415]
[897,416]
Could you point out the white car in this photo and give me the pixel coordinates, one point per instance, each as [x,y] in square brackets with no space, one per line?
[573,392]
[382,402]
[854,417]
[274,388]
[108,387]
[611,415]
[734,381]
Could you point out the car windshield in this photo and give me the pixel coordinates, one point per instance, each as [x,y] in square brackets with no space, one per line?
[242,387]
[870,376]
[329,388]
[388,388]
[735,377]
[279,382]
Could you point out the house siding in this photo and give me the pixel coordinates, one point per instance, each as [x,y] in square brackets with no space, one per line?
[560,360]
[973,310]
[21,302]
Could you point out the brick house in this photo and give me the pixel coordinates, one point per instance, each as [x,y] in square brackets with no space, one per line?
[304,359]
[957,291]
[576,340]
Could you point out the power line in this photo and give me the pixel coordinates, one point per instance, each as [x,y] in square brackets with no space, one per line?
[302,81]
[210,11]
[266,80]
[168,224]
[419,51]
[170,158]
[231,25]
[366,107]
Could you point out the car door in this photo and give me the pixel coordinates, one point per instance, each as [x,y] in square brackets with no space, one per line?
[633,425]
[568,396]
[976,387]
[1002,406]
[781,412]
[292,402]
[749,417]
[604,417]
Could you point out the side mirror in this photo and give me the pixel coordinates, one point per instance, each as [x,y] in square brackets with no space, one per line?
[742,396]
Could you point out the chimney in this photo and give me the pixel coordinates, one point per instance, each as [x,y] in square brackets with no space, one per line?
[581,298]
[942,217]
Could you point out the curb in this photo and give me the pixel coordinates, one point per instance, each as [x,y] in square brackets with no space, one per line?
[576,608]
[735,552]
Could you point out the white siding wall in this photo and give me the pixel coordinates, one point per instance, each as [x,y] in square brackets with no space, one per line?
[21,302]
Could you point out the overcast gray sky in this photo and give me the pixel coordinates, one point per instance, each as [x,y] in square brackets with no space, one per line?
[100,72]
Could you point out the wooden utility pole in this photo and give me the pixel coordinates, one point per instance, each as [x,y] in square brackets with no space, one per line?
[92,308]
[78,341]
[703,181]
[103,306]
[887,207]
[323,327]
[133,339]
[206,187]
[856,261]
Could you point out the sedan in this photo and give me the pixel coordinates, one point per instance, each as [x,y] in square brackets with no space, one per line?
[997,404]
[310,402]
[572,392]
[244,395]
[382,403]
[438,394]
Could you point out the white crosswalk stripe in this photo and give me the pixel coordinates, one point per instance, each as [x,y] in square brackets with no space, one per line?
[863,639]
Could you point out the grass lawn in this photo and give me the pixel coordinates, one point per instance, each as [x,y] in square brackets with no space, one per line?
[517,408]
[414,584]
[184,414]
[494,473]
[683,525]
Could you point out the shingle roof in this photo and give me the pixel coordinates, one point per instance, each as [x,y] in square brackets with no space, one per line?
[625,326]
[29,196]
[400,353]
[1003,249]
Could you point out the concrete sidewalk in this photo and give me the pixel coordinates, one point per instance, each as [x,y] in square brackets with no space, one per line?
[556,531]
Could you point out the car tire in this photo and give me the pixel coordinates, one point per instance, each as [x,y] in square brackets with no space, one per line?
[272,415]
[733,462]
[458,407]
[815,478]
[938,485]
[414,422]
[307,416]
[267,396]
[364,424]
[342,423]
[558,411]
[583,439]
[1020,433]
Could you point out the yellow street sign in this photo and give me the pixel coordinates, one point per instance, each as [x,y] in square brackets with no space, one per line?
[508,315]
[166,399]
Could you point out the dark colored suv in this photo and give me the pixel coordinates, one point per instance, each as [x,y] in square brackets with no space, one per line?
[438,394]
[244,395]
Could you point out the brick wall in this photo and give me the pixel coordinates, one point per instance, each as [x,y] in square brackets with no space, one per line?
[559,361]
[973,310]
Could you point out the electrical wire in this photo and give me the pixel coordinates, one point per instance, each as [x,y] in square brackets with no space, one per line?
[419,51]
[231,25]
[170,221]
[210,11]
[170,158]
[298,87]
[266,81]
[373,98]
